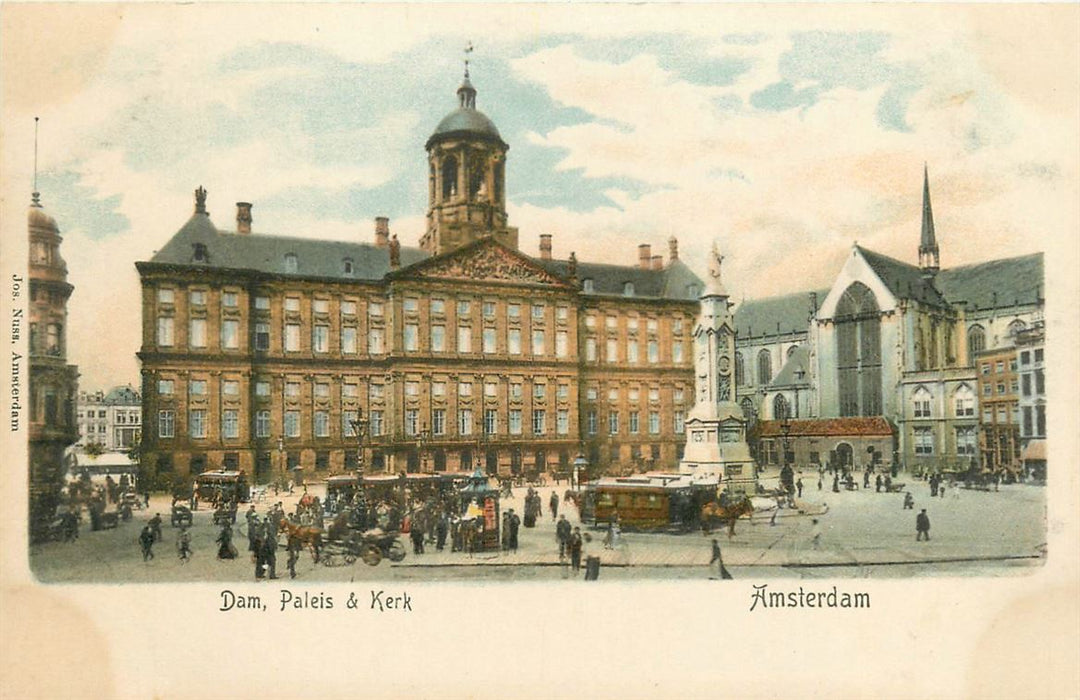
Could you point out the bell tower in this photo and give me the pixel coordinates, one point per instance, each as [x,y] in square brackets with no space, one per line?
[466,179]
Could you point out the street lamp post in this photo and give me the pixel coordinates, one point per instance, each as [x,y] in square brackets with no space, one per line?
[359,427]
[422,437]
[580,465]
[281,459]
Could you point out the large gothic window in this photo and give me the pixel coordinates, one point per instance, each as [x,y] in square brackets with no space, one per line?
[781,410]
[740,371]
[858,351]
[449,177]
[976,342]
[764,368]
[1015,327]
[747,405]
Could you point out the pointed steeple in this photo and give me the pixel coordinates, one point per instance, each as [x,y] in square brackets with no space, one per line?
[928,247]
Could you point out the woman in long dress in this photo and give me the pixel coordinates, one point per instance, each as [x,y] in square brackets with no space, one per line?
[225,548]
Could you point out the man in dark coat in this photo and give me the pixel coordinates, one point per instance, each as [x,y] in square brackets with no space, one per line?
[922,526]
[575,549]
[562,534]
[719,561]
[155,526]
[269,549]
[293,546]
[877,484]
[146,541]
[515,523]
[441,528]
[553,505]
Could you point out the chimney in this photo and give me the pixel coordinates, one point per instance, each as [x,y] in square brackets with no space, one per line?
[243,217]
[382,232]
[545,246]
[644,254]
[673,249]
[658,262]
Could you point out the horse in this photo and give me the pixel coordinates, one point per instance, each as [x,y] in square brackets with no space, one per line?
[304,535]
[729,512]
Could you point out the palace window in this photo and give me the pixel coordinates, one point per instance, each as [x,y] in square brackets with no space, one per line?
[322,390]
[464,389]
[438,389]
[292,424]
[411,305]
[438,338]
[349,391]
[680,422]
[197,423]
[165,296]
[292,337]
[488,341]
[262,303]
[348,340]
[539,416]
[562,422]
[489,309]
[164,387]
[230,388]
[320,306]
[229,299]
[677,352]
[514,421]
[590,422]
[197,387]
[230,423]
[653,349]
[611,353]
[262,336]
[491,421]
[412,342]
[538,342]
[465,421]
[634,420]
[562,344]
[197,333]
[198,297]
[320,338]
[167,424]
[513,341]
[613,423]
[412,421]
[262,424]
[262,388]
[464,339]
[376,341]
[491,390]
[292,389]
[590,349]
[438,421]
[632,351]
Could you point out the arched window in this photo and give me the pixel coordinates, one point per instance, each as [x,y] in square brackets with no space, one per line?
[747,409]
[921,401]
[292,264]
[628,289]
[587,285]
[764,367]
[693,291]
[858,351]
[964,401]
[347,266]
[1015,327]
[449,177]
[740,370]
[498,182]
[200,254]
[477,177]
[791,351]
[976,342]
[780,408]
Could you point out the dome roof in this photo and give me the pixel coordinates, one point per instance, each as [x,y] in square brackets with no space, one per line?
[37,218]
[466,121]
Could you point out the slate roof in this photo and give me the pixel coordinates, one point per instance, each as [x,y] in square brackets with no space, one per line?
[903,279]
[875,426]
[667,283]
[757,317]
[324,259]
[798,362]
[315,258]
[996,283]
[122,395]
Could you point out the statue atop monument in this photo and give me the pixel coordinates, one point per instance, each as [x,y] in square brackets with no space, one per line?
[715,287]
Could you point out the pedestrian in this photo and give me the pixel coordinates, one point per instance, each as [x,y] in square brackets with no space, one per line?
[798,486]
[562,534]
[515,523]
[146,540]
[225,546]
[575,549]
[183,544]
[258,552]
[819,482]
[146,498]
[836,483]
[909,501]
[269,553]
[155,526]
[866,479]
[553,505]
[441,529]
[293,547]
[721,570]
[416,534]
[922,526]
[877,483]
[941,490]
[815,534]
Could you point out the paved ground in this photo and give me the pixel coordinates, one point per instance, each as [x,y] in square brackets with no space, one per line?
[861,534]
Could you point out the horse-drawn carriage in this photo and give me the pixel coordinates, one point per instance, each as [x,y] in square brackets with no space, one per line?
[180,516]
[369,545]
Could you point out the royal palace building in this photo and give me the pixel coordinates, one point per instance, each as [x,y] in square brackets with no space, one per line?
[268,353]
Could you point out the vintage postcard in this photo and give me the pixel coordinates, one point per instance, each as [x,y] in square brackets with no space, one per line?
[642,349]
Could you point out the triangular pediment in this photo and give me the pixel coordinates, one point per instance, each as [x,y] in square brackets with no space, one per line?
[485,260]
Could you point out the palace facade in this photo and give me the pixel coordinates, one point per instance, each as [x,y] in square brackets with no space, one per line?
[267,353]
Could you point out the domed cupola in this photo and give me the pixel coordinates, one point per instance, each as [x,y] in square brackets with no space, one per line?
[466,178]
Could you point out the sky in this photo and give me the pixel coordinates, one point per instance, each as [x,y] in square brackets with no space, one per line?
[784,134]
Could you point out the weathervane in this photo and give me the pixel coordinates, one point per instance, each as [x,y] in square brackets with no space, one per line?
[468,50]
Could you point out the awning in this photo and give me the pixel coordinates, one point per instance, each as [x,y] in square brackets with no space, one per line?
[1034,451]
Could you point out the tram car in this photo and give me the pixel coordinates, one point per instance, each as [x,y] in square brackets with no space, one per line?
[649,501]
[215,486]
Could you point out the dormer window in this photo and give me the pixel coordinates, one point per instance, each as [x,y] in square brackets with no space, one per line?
[291,262]
[587,285]
[628,289]
[200,254]
[347,266]
[693,291]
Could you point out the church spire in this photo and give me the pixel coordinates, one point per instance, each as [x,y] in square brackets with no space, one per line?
[35,196]
[928,247]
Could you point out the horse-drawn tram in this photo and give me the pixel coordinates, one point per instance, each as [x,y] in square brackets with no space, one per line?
[649,501]
[218,486]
